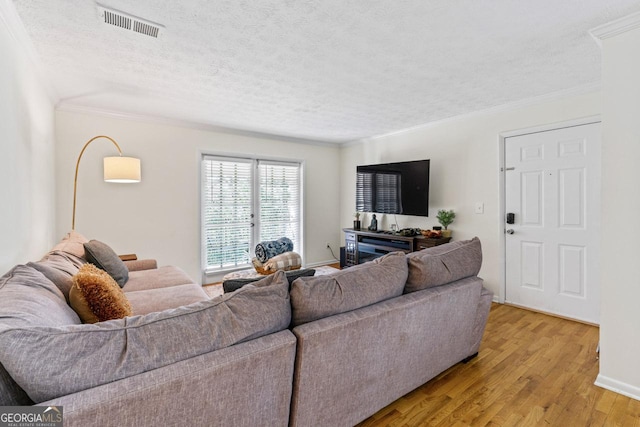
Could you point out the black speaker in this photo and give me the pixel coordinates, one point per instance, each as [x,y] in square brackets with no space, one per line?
[342,257]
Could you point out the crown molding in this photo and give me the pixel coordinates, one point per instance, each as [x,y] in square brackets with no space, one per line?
[10,19]
[528,102]
[613,28]
[145,118]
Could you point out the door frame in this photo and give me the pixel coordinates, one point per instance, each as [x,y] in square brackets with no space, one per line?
[502,137]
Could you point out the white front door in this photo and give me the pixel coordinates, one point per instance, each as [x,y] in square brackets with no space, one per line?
[552,188]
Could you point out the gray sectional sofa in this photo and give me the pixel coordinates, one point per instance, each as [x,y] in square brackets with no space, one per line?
[324,351]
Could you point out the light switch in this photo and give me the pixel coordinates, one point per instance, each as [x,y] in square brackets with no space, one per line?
[479,207]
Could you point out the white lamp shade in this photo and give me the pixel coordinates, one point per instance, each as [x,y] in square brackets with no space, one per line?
[121,169]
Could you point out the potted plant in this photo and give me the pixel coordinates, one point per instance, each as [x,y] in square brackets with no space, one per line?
[445,218]
[356,222]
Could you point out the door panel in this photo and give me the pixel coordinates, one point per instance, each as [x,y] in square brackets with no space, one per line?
[552,185]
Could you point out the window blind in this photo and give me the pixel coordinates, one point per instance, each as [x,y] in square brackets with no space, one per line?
[227,208]
[280,205]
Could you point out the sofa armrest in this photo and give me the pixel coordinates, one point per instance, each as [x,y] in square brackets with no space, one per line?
[141,264]
[223,387]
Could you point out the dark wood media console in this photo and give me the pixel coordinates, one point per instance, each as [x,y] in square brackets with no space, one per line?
[363,245]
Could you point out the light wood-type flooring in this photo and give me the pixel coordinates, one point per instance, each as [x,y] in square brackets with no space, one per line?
[532,370]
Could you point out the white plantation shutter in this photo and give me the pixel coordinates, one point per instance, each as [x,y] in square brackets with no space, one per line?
[280,201]
[230,191]
[227,207]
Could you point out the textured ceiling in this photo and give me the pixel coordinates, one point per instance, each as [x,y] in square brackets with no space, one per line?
[326,70]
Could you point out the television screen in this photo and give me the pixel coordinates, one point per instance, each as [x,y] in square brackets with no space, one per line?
[394,188]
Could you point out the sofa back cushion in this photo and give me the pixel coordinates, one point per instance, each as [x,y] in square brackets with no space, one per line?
[316,297]
[72,243]
[68,359]
[27,298]
[59,267]
[443,264]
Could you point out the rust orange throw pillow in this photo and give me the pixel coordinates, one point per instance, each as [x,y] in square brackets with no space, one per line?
[96,297]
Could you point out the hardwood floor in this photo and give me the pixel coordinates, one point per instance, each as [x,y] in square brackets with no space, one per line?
[532,370]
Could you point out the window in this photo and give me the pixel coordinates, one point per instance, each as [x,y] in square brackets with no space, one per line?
[245,201]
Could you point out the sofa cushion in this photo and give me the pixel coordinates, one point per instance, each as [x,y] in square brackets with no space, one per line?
[151,300]
[72,243]
[28,298]
[102,256]
[443,264]
[316,297]
[59,267]
[11,394]
[89,355]
[161,277]
[96,297]
[235,284]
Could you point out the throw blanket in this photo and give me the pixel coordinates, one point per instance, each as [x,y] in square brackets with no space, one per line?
[285,261]
[270,248]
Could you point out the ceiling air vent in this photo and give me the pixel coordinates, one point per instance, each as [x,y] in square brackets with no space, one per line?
[129,22]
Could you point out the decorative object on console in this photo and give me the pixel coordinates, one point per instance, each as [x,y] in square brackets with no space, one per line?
[374,224]
[270,248]
[446,217]
[356,222]
[96,297]
[409,232]
[116,169]
[431,234]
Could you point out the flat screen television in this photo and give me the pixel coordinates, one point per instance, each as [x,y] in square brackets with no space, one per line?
[395,188]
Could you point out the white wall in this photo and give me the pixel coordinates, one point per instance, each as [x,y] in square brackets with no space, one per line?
[160,217]
[620,309]
[465,167]
[27,191]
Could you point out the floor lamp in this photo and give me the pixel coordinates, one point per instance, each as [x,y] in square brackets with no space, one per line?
[116,169]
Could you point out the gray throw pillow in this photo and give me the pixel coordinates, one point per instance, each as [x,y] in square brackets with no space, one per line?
[67,359]
[235,284]
[103,257]
[316,297]
[443,264]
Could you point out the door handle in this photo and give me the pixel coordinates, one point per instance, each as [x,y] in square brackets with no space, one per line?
[510,231]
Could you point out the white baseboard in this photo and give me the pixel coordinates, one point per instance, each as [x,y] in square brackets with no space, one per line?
[318,264]
[618,387]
